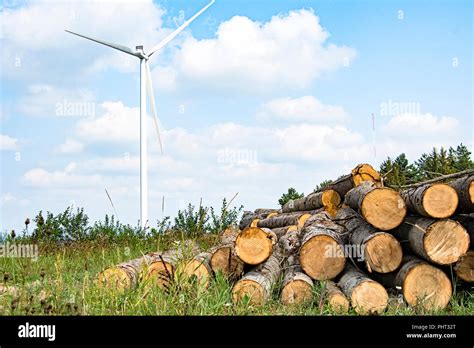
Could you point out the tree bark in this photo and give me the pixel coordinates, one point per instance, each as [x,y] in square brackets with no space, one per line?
[382,207]
[464,186]
[439,241]
[361,173]
[327,199]
[366,295]
[379,251]
[259,214]
[442,178]
[281,231]
[297,287]
[322,247]
[254,245]
[259,282]
[335,297]
[162,269]
[431,200]
[286,219]
[125,275]
[422,284]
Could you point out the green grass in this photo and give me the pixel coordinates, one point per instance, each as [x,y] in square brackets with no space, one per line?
[62,282]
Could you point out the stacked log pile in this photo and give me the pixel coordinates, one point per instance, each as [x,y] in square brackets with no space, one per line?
[360,239]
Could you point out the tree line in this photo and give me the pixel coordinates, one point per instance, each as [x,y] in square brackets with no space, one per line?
[398,171]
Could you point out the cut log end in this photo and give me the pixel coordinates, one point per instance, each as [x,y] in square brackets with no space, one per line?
[336,298]
[322,257]
[331,201]
[161,274]
[339,303]
[198,270]
[427,286]
[225,261]
[383,208]
[254,245]
[383,253]
[296,292]
[440,201]
[250,289]
[465,267]
[369,297]
[115,279]
[445,241]
[302,220]
[364,172]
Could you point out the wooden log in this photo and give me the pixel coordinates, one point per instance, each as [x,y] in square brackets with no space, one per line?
[366,295]
[442,178]
[439,241]
[327,199]
[381,252]
[432,200]
[286,219]
[224,259]
[259,214]
[361,173]
[254,245]
[422,284]
[281,231]
[162,269]
[297,287]
[322,247]
[289,243]
[467,221]
[257,285]
[125,275]
[464,268]
[382,207]
[464,186]
[266,211]
[335,298]
[199,268]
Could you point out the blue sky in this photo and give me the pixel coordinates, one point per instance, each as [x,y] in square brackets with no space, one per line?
[253,97]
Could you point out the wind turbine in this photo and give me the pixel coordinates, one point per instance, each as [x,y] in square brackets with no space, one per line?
[146,87]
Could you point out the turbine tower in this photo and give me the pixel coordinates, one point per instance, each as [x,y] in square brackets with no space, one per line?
[146,87]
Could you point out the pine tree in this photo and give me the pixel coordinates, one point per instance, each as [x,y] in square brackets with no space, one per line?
[398,172]
[461,158]
[434,164]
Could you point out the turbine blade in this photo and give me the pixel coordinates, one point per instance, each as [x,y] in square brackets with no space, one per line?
[122,48]
[149,89]
[177,31]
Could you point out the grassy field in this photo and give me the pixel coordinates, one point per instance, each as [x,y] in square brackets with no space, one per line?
[62,282]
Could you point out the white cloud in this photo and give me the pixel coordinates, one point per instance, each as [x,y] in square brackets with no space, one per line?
[29,29]
[8,143]
[409,124]
[70,146]
[306,109]
[118,123]
[9,199]
[48,100]
[41,178]
[289,51]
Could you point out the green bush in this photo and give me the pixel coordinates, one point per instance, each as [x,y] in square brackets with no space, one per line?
[205,220]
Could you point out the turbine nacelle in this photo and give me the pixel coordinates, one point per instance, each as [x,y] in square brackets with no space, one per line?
[141,52]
